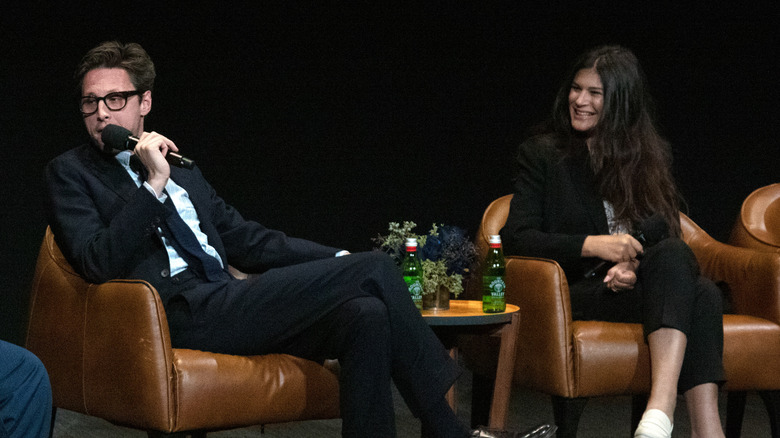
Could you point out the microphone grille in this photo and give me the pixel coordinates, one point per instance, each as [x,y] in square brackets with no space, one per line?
[115,137]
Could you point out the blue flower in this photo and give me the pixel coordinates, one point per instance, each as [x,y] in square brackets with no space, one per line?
[432,250]
[444,243]
[456,249]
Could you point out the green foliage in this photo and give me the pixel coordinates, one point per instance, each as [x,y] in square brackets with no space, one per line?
[393,243]
[446,253]
[435,276]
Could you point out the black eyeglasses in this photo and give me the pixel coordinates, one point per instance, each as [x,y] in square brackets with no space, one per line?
[114,101]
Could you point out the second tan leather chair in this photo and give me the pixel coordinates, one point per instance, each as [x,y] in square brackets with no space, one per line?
[575,360]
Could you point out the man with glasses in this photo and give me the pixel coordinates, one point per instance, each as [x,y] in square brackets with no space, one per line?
[114,218]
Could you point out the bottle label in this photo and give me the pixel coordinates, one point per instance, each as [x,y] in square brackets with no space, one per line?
[496,287]
[493,294]
[415,290]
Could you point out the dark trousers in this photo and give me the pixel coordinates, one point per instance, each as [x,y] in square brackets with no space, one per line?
[355,308]
[25,394]
[670,292]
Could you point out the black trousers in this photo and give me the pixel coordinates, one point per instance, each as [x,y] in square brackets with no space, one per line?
[355,308]
[670,292]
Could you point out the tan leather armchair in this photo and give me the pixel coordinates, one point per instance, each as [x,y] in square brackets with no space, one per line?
[108,353]
[758,224]
[574,360]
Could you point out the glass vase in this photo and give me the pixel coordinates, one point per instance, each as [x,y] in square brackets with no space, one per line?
[438,300]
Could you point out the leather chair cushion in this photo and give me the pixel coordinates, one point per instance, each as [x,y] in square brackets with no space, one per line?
[751,353]
[272,388]
[612,358]
[609,358]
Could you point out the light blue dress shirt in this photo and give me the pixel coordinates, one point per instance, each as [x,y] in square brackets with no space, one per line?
[180,199]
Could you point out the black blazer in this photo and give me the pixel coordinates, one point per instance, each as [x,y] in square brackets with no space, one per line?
[554,208]
[107,227]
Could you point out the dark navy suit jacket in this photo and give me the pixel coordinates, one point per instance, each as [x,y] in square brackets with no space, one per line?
[554,208]
[107,227]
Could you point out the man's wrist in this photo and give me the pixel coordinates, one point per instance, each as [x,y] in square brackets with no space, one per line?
[161,197]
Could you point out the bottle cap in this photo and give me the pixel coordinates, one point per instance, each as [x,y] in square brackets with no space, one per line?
[495,238]
[411,241]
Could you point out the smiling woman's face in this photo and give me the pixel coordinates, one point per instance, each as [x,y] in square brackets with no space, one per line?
[586,100]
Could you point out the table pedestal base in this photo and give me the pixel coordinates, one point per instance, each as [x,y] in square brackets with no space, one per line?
[465,317]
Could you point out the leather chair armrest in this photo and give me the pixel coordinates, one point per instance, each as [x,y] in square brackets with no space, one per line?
[127,348]
[742,238]
[758,223]
[753,277]
[539,287]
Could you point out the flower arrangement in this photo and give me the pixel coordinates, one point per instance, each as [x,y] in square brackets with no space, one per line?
[446,254]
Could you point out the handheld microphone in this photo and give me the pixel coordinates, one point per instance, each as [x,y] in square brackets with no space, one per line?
[119,138]
[649,232]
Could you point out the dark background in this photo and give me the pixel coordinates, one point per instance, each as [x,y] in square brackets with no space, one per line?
[328,120]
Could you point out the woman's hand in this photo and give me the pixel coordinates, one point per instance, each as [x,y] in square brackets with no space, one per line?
[622,276]
[614,248]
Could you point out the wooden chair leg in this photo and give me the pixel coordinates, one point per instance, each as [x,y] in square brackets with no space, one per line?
[772,403]
[638,406]
[735,412]
[567,413]
[481,395]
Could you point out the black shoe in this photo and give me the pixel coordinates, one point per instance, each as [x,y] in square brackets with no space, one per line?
[541,431]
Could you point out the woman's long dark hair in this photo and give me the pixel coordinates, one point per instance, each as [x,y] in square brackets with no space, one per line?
[631,161]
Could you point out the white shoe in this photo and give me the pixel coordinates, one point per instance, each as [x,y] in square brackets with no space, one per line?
[654,424]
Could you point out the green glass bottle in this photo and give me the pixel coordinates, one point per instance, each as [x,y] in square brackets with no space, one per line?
[493,285]
[413,272]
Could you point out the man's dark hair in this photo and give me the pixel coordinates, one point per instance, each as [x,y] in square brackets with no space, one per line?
[112,54]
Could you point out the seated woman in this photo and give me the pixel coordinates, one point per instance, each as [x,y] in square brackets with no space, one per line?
[585,189]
